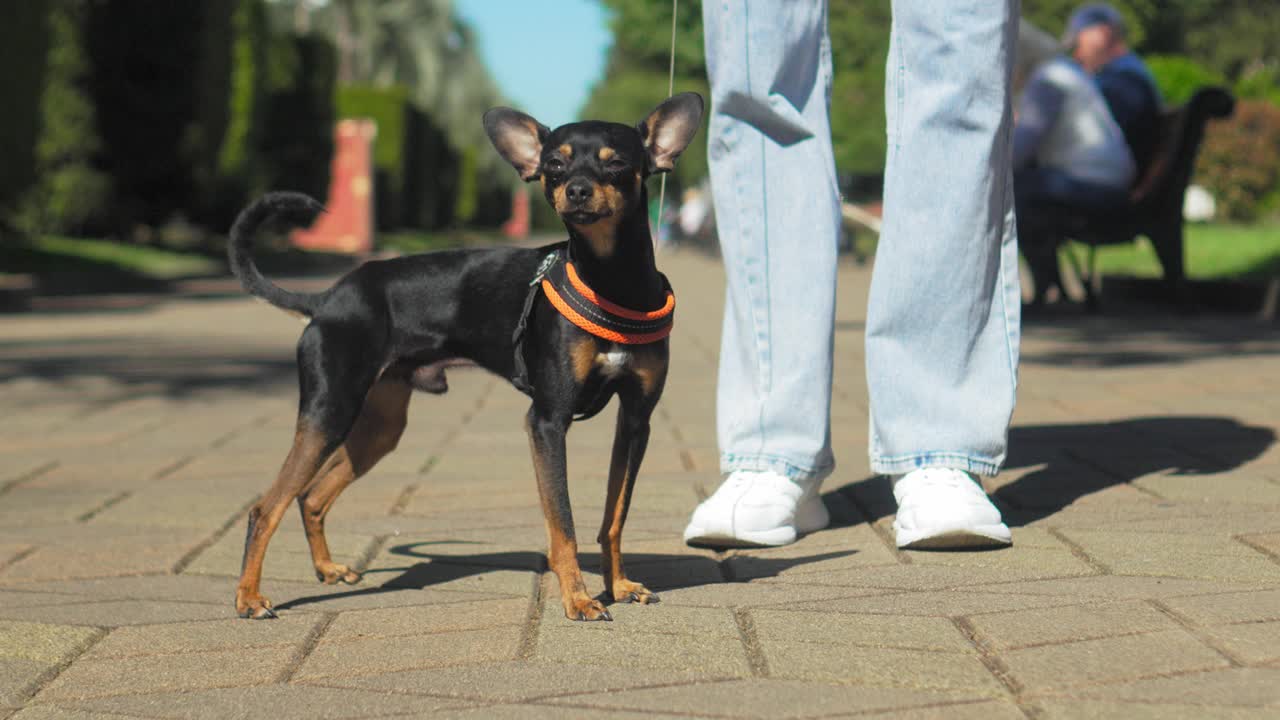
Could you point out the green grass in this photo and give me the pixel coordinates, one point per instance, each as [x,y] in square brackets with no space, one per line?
[1213,252]
[409,242]
[415,242]
[53,253]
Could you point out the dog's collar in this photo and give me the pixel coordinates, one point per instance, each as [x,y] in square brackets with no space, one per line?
[558,280]
[592,312]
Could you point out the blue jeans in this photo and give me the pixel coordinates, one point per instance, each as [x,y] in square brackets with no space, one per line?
[942,325]
[1037,188]
[773,179]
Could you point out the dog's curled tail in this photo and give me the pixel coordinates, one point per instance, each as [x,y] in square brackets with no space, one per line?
[289,208]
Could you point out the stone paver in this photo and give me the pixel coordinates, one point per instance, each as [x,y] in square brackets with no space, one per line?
[1143,488]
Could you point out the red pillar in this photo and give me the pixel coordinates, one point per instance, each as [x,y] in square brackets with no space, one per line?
[347,224]
[517,228]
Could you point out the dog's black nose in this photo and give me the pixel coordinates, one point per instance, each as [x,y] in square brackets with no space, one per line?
[578,191]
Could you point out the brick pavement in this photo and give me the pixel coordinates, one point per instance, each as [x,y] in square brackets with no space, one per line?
[1144,581]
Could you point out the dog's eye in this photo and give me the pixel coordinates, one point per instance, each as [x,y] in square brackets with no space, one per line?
[616,166]
[554,166]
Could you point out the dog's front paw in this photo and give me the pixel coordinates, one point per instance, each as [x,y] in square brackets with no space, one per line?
[586,608]
[633,592]
[333,573]
[253,605]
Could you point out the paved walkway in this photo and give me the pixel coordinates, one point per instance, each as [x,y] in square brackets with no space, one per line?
[1144,580]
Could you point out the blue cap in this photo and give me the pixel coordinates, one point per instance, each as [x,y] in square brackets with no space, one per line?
[1090,15]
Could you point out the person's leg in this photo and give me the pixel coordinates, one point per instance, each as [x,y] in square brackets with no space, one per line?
[942,320]
[1044,197]
[943,315]
[1039,229]
[777,212]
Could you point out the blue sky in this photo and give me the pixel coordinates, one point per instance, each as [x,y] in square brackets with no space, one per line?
[544,54]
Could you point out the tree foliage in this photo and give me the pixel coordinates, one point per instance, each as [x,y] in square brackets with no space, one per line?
[248,87]
[69,191]
[1229,39]
[424,48]
[1240,161]
[24,49]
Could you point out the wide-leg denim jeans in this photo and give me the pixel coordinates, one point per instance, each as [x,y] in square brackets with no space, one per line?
[942,330]
[773,179]
[943,316]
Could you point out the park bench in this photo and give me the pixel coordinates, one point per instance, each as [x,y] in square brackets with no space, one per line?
[1155,203]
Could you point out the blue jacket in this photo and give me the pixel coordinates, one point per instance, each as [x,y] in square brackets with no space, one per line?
[1130,91]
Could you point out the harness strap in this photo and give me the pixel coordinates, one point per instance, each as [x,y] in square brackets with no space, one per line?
[520,378]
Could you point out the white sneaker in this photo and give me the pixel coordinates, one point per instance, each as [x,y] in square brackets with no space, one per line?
[941,508]
[752,509]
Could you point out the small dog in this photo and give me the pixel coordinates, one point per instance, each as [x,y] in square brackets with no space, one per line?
[571,325]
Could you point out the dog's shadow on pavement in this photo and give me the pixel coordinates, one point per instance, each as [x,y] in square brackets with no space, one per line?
[1069,461]
[658,571]
[1058,464]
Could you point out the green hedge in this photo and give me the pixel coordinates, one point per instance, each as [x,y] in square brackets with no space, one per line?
[431,176]
[68,193]
[146,87]
[389,107]
[1178,77]
[240,171]
[1240,161]
[296,141]
[24,49]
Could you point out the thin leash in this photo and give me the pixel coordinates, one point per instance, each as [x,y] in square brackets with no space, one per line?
[671,89]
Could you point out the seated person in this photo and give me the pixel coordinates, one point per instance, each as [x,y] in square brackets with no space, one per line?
[1096,37]
[1068,153]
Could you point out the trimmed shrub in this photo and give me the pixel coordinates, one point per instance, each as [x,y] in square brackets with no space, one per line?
[1262,83]
[1240,160]
[431,179]
[240,171]
[388,107]
[24,50]
[493,197]
[296,142]
[464,209]
[144,87]
[69,193]
[210,109]
[1178,77]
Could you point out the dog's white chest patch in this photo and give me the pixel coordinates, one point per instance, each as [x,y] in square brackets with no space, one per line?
[614,361]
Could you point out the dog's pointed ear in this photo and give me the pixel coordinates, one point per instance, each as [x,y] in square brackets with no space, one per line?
[518,138]
[669,129]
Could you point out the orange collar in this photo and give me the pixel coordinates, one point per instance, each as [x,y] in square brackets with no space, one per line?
[585,308]
[582,306]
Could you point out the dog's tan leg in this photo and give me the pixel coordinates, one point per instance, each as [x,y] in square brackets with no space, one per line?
[375,434]
[305,459]
[546,440]
[629,443]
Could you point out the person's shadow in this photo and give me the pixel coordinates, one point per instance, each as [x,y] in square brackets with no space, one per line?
[1074,460]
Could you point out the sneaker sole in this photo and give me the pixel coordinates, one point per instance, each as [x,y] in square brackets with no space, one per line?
[980,536]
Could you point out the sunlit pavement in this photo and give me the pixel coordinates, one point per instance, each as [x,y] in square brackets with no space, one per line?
[1143,489]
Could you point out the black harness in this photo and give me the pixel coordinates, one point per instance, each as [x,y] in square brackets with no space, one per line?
[582,307]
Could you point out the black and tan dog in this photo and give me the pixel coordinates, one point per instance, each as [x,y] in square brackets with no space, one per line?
[571,325]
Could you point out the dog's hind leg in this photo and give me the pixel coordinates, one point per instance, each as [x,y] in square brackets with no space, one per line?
[311,448]
[375,434]
[335,375]
[631,438]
